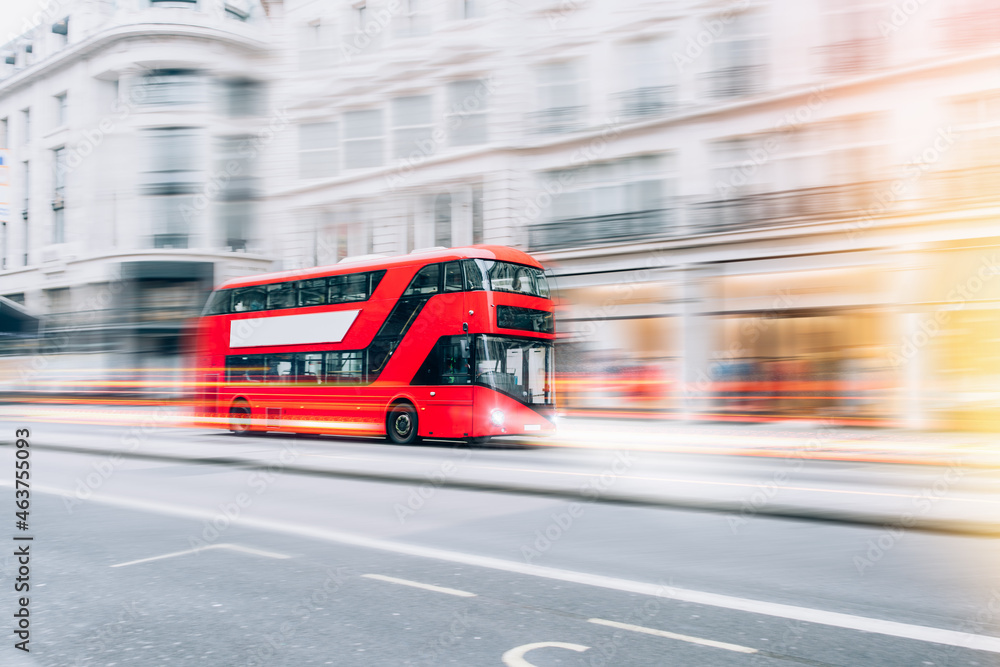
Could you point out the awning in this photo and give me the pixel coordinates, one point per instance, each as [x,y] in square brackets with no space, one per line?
[16,320]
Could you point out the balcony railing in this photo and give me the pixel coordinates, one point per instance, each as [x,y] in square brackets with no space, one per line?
[854,55]
[600,230]
[971,185]
[786,207]
[736,81]
[648,102]
[557,119]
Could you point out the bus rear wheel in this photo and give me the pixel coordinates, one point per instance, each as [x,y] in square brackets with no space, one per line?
[401,424]
[239,419]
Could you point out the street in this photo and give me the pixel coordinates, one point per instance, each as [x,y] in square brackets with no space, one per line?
[173,562]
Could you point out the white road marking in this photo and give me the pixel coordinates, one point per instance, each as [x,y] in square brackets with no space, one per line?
[417,584]
[231,547]
[515,656]
[806,614]
[673,635]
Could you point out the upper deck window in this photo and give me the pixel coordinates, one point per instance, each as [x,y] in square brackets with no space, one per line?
[517,278]
[291,294]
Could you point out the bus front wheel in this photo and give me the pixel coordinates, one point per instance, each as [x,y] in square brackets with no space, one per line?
[239,419]
[401,424]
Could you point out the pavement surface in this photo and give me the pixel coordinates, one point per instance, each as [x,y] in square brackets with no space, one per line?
[944,483]
[172,562]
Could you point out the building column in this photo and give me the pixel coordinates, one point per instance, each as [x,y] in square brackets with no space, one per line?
[698,339]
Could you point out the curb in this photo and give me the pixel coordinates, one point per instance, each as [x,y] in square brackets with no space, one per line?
[937,526]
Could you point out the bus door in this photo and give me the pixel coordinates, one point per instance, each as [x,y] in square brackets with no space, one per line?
[443,386]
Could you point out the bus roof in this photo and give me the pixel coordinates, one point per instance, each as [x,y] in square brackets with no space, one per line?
[495,252]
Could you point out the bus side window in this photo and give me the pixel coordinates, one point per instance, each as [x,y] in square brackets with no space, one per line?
[475,275]
[427,281]
[310,367]
[345,289]
[374,278]
[246,299]
[281,295]
[453,277]
[312,292]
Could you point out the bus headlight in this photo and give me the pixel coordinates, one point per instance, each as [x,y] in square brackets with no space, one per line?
[496,417]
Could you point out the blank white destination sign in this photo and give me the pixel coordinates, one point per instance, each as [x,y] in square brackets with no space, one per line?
[291,329]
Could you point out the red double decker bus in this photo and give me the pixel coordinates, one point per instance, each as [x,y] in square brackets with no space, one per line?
[447,343]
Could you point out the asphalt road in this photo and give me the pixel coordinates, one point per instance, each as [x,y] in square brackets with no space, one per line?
[189,564]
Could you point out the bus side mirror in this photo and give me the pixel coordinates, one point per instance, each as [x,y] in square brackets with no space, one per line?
[465,327]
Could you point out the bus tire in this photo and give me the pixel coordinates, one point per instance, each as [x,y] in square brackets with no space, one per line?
[239,419]
[401,424]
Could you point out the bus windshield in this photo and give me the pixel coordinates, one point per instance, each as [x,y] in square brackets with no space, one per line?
[518,367]
[509,277]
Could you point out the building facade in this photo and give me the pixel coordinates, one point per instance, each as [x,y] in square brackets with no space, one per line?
[750,209]
[128,134]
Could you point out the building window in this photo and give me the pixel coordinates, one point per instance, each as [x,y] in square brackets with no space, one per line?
[442,220]
[236,209]
[363,139]
[26,207]
[318,156]
[412,127]
[174,175]
[172,87]
[3,133]
[58,195]
[649,92]
[243,98]
[26,125]
[413,20]
[3,265]
[318,45]
[239,10]
[612,202]
[560,98]
[471,9]
[468,106]
[27,186]
[739,56]
[61,110]
[855,43]
[477,215]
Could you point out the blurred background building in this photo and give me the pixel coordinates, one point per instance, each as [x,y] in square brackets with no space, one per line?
[116,120]
[751,210]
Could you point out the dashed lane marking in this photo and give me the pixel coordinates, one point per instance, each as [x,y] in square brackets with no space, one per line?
[231,547]
[673,635]
[417,584]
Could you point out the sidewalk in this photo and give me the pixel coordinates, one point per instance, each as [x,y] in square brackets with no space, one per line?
[797,440]
[740,471]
